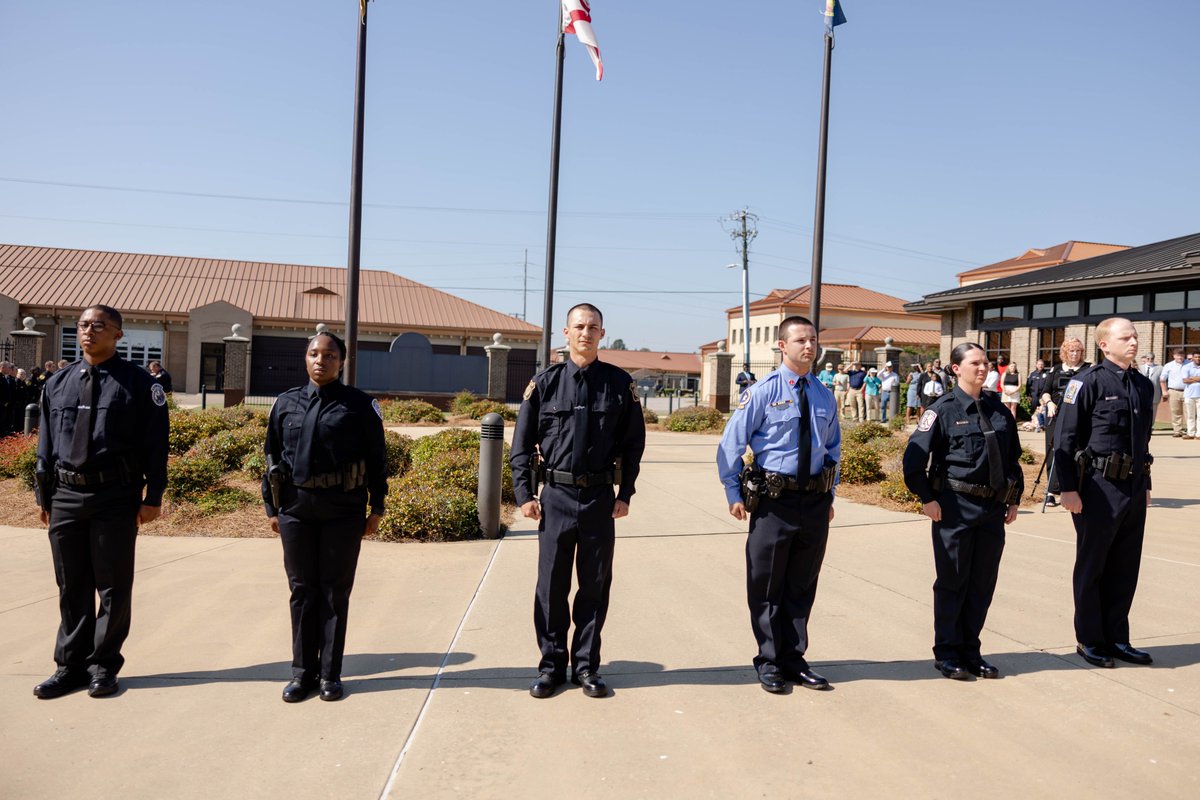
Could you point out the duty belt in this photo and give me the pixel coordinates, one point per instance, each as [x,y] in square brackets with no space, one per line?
[90,480]
[348,478]
[962,487]
[558,477]
[1114,466]
[791,484]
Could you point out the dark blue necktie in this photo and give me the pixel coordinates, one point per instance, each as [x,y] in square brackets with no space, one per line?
[991,443]
[579,427]
[804,456]
[81,437]
[302,470]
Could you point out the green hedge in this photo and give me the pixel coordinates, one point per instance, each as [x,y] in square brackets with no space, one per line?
[417,509]
[649,416]
[410,411]
[893,488]
[696,418]
[399,452]
[479,408]
[18,457]
[428,453]
[860,464]
[230,448]
[864,432]
[462,401]
[189,427]
[190,477]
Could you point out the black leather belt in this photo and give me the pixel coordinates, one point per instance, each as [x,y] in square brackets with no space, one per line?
[788,483]
[348,479]
[962,487]
[89,480]
[1115,466]
[557,477]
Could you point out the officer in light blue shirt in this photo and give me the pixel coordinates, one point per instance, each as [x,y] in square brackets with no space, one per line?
[789,420]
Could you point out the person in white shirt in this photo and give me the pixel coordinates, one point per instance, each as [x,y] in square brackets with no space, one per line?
[891,385]
[992,382]
[1191,395]
[1171,381]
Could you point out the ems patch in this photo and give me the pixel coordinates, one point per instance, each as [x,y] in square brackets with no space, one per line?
[378,410]
[158,395]
[927,420]
[1072,391]
[529,390]
[744,399]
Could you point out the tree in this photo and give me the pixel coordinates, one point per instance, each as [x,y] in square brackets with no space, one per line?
[618,344]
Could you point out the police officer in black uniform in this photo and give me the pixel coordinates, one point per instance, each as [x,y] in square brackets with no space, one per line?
[325,463]
[1072,364]
[161,375]
[1102,446]
[101,472]
[967,440]
[583,417]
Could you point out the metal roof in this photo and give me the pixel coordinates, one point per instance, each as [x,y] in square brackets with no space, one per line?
[1160,261]
[138,283]
[833,295]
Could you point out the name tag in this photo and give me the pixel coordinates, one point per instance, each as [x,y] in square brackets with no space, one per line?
[1113,397]
[962,422]
[781,404]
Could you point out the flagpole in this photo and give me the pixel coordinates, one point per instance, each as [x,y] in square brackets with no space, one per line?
[352,258]
[552,207]
[814,289]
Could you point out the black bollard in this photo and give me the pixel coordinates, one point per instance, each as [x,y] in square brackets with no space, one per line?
[31,418]
[491,450]
[203,396]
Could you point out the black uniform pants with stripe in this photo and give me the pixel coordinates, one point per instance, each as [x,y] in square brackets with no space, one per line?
[967,545]
[1108,555]
[784,552]
[92,541]
[321,543]
[576,529]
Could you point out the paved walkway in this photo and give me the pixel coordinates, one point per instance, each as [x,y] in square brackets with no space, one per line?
[441,650]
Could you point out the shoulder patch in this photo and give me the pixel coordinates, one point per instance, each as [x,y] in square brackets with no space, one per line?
[375,407]
[529,390]
[633,391]
[158,395]
[744,399]
[927,420]
[1072,391]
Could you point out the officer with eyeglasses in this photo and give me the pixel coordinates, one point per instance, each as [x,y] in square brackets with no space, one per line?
[101,472]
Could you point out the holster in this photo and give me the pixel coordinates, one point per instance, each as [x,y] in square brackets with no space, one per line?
[827,476]
[1083,460]
[537,472]
[277,475]
[753,485]
[617,471]
[43,486]
[1012,495]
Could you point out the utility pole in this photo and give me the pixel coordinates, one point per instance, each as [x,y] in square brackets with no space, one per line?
[525,290]
[743,228]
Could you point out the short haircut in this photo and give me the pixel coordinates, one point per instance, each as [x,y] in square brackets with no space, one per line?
[155,364]
[107,311]
[333,337]
[959,353]
[1105,327]
[1068,343]
[1178,351]
[585,307]
[789,322]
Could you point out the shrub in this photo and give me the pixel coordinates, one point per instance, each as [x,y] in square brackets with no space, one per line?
[896,423]
[189,427]
[427,450]
[223,499]
[418,510]
[893,488]
[454,468]
[18,457]
[479,408]
[696,418]
[254,465]
[410,411]
[649,416]
[230,448]
[860,464]
[1027,456]
[864,432]
[462,402]
[191,476]
[399,452]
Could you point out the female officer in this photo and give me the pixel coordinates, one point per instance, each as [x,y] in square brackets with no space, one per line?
[326,461]
[971,491]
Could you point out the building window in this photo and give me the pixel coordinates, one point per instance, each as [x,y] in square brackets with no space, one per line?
[1101,305]
[1182,334]
[140,347]
[1003,313]
[1049,342]
[1130,304]
[997,343]
[1043,310]
[1169,301]
[1193,298]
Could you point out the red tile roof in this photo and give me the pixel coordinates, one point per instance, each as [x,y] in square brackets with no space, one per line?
[833,296]
[877,333]
[1037,258]
[154,284]
[634,360]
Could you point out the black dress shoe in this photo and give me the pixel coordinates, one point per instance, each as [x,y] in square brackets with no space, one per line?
[102,685]
[982,669]
[593,685]
[771,681]
[63,681]
[296,690]
[1095,656]
[545,685]
[1127,652]
[807,678]
[331,690]
[951,669]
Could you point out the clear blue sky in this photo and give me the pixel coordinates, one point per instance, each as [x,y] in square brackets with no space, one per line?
[962,133]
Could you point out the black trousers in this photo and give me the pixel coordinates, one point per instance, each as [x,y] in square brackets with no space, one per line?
[1052,486]
[784,552]
[1108,555]
[967,545]
[92,539]
[321,542]
[576,529]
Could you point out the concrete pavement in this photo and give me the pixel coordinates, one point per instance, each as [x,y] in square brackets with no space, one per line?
[441,650]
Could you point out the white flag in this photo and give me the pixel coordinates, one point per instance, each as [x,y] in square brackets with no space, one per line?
[577,19]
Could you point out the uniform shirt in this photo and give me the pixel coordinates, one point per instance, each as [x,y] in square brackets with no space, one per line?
[950,437]
[164,380]
[1191,391]
[1172,374]
[616,427]
[349,429]
[1059,377]
[768,420]
[129,423]
[1106,410]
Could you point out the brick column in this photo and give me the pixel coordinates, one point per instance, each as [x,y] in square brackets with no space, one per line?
[497,384]
[720,364]
[237,374]
[25,345]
